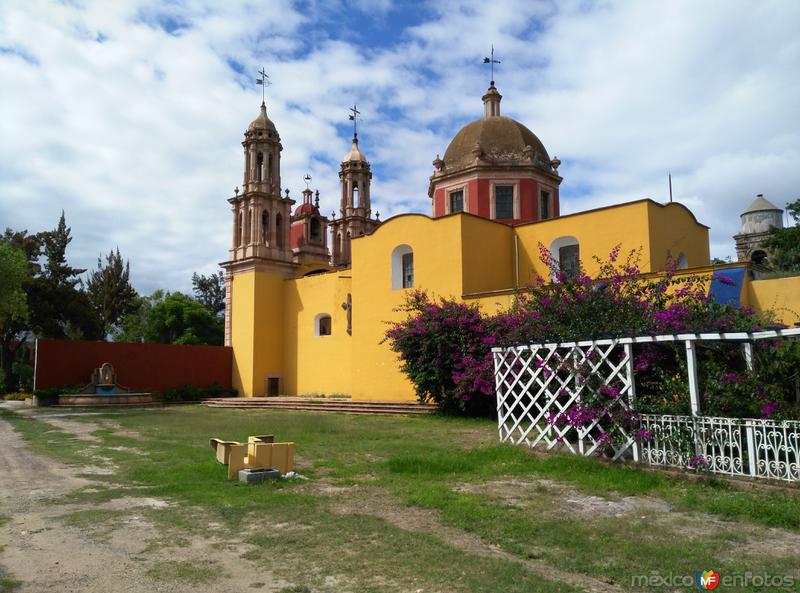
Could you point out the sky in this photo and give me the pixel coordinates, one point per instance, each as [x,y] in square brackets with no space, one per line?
[129,115]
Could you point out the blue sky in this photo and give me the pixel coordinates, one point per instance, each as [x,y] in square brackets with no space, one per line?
[129,115]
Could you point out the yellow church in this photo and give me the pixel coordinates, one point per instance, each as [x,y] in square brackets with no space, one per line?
[306,318]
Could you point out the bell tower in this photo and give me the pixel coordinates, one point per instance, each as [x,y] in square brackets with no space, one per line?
[261,216]
[355,208]
[260,260]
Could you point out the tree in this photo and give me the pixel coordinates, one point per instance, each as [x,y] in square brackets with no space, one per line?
[14,330]
[109,290]
[210,291]
[14,274]
[58,308]
[785,243]
[55,244]
[170,318]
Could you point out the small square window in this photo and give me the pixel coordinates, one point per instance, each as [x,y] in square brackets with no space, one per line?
[504,201]
[324,325]
[544,205]
[408,270]
[457,201]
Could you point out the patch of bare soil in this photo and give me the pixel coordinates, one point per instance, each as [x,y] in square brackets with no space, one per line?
[45,554]
[556,499]
[367,500]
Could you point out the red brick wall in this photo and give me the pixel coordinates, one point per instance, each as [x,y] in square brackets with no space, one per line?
[141,367]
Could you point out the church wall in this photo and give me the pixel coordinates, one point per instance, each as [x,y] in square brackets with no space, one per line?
[257,330]
[782,295]
[488,255]
[242,332]
[437,252]
[597,233]
[317,365]
[674,230]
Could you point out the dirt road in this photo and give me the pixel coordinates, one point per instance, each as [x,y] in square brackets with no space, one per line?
[46,555]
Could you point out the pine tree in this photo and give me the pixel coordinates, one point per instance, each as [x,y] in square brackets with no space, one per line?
[56,269]
[110,291]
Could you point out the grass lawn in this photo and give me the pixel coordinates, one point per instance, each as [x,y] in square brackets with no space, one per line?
[397,504]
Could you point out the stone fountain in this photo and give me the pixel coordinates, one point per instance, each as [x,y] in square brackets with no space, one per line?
[104,390]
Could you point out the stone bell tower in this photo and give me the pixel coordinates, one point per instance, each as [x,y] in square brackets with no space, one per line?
[355,209]
[260,259]
[261,216]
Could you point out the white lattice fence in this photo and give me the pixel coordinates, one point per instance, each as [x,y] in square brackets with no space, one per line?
[580,397]
[540,387]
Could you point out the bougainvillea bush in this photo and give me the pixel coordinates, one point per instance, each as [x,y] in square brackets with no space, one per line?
[444,345]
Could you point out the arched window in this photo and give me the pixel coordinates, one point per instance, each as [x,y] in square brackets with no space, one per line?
[566,252]
[759,257]
[270,172]
[239,229]
[315,231]
[402,267]
[248,229]
[322,324]
[265,227]
[260,166]
[683,263]
[355,195]
[347,247]
[279,230]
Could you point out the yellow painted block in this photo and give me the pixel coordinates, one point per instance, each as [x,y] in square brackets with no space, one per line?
[236,460]
[261,438]
[259,454]
[224,450]
[283,457]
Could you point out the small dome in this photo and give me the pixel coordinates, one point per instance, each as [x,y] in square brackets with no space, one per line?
[262,122]
[306,208]
[761,205]
[499,138]
[761,217]
[355,154]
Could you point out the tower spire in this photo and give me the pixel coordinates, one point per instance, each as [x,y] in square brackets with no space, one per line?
[264,82]
[490,60]
[353,117]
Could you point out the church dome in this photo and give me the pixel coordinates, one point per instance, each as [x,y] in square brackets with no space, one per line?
[355,154]
[262,122]
[305,208]
[498,138]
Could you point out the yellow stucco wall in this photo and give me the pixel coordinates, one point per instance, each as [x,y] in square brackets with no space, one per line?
[437,269]
[782,295]
[673,230]
[460,256]
[257,321]
[317,365]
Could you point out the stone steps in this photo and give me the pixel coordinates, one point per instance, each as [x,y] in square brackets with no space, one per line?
[313,404]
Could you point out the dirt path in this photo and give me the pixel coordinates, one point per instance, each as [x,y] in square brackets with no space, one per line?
[44,554]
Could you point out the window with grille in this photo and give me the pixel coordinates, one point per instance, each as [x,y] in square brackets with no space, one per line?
[457,201]
[504,201]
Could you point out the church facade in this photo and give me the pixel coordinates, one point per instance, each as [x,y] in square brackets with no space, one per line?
[307,318]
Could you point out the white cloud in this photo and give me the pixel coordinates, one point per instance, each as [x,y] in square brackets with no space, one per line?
[129,115]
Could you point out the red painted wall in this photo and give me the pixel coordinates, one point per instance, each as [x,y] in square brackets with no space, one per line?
[141,367]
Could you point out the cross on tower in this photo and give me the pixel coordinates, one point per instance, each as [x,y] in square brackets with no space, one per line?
[263,81]
[491,61]
[353,117]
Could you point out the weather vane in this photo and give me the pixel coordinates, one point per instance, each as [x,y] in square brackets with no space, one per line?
[263,81]
[307,179]
[354,118]
[491,61]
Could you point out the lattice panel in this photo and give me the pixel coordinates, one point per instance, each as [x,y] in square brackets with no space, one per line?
[537,385]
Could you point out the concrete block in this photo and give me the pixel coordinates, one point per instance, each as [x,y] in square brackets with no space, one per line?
[258,475]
